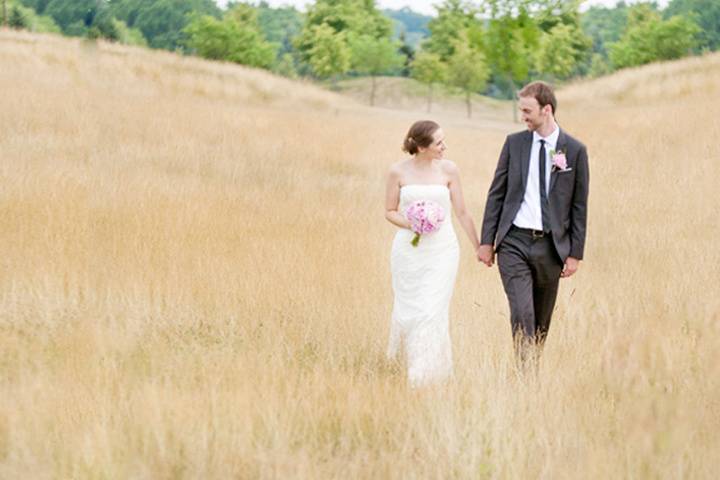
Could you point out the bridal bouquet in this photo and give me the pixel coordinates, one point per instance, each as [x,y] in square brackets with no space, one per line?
[425,216]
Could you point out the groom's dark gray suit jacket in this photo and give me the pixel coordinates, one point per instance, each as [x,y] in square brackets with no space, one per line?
[567,198]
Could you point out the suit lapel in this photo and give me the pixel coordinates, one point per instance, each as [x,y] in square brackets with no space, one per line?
[560,146]
[525,157]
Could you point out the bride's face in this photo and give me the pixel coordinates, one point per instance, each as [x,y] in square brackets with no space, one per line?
[437,148]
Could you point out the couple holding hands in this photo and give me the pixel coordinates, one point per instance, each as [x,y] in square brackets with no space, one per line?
[534,222]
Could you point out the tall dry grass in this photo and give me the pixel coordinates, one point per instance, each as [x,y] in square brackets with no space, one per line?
[194,283]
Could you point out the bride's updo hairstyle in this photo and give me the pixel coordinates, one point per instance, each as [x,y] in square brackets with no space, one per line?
[419,135]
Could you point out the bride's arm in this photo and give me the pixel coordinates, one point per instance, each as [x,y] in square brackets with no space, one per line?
[392,200]
[458,202]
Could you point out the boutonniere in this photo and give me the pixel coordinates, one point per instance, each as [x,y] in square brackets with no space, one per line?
[559,161]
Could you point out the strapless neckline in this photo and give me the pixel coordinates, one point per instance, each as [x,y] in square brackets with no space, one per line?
[424,185]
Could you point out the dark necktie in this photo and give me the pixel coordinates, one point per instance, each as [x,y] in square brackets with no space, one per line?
[543,193]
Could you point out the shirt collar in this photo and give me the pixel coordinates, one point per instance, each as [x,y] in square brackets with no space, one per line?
[550,140]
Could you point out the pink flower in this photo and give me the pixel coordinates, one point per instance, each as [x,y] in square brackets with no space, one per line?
[559,161]
[425,217]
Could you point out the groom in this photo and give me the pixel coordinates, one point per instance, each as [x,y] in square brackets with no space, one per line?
[535,215]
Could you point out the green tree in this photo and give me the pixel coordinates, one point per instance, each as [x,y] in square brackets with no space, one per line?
[34,20]
[560,22]
[604,25]
[374,56]
[127,35]
[454,19]
[429,69]
[408,53]
[162,22]
[73,16]
[468,71]
[512,37]
[103,24]
[236,38]
[598,66]
[279,25]
[340,21]
[285,66]
[706,13]
[329,55]
[17,18]
[648,38]
[37,5]
[557,55]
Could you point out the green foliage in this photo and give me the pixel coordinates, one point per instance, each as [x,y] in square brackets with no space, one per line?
[555,55]
[561,50]
[279,25]
[470,42]
[91,18]
[235,38]
[467,70]
[29,19]
[512,37]
[73,16]
[706,13]
[598,66]
[342,16]
[374,56]
[162,22]
[408,53]
[38,6]
[604,25]
[329,55]
[104,25]
[17,18]
[429,69]
[648,38]
[285,66]
[330,26]
[127,35]
[455,18]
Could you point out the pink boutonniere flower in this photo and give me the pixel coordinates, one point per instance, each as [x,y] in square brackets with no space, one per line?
[559,160]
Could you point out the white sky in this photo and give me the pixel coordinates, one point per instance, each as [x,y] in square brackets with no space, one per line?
[421,6]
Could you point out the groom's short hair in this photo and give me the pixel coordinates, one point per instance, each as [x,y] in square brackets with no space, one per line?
[543,93]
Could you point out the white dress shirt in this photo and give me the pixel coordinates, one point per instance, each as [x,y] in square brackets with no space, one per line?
[530,213]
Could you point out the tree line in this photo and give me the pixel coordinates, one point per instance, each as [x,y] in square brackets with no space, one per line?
[484,46]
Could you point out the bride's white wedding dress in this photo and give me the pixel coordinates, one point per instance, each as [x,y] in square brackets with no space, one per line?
[423,278]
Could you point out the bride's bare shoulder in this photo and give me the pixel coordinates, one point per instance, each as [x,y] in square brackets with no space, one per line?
[399,167]
[448,167]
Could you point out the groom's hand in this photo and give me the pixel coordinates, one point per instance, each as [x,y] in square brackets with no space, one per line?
[486,254]
[571,266]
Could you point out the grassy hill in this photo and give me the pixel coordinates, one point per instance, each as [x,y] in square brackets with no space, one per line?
[195,282]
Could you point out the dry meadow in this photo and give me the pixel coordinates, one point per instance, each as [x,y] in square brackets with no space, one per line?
[194,282]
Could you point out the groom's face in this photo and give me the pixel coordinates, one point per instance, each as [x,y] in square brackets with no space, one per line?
[532,115]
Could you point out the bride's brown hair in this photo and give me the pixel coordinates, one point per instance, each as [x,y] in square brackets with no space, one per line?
[419,135]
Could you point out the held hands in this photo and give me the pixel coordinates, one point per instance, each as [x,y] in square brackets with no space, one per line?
[571,266]
[486,254]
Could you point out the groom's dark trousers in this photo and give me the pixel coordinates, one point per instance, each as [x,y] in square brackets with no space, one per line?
[530,271]
[530,261]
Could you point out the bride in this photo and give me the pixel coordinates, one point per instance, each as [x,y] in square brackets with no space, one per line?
[423,277]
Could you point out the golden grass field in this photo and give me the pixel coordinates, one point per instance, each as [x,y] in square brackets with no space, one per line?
[194,282]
